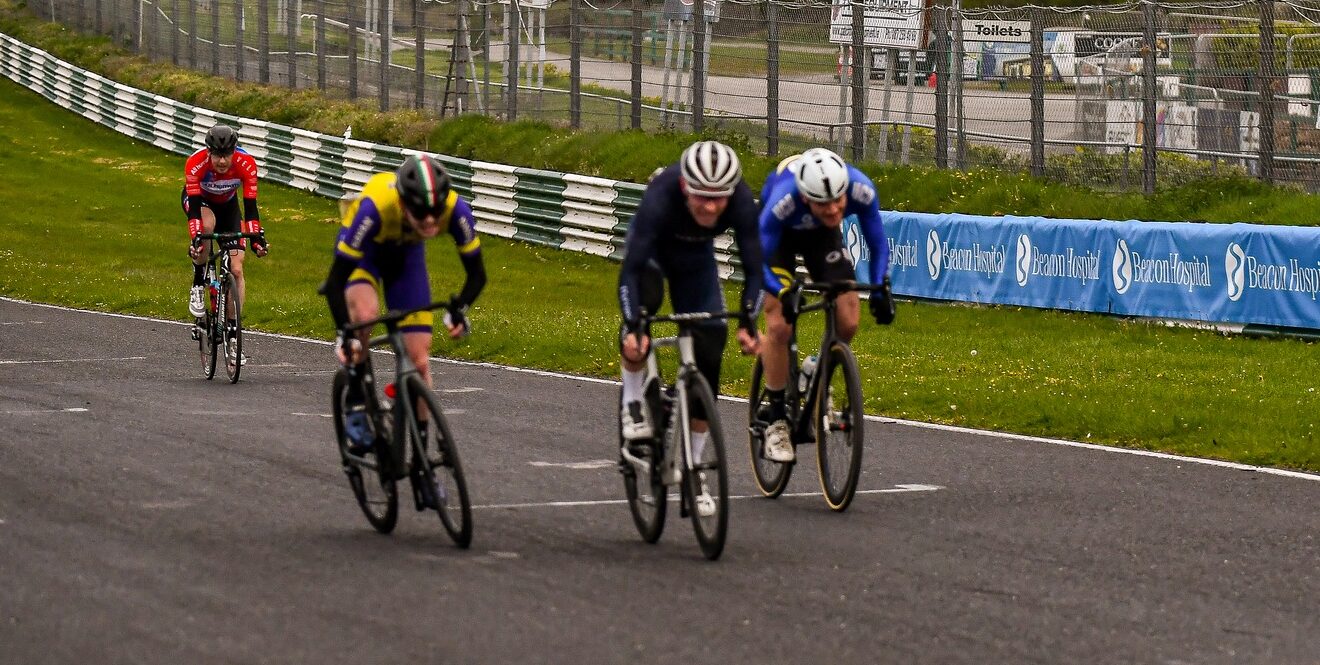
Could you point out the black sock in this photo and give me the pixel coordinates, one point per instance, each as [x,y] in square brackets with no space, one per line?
[199,273]
[776,399]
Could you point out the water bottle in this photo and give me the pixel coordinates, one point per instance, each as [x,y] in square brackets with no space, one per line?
[804,377]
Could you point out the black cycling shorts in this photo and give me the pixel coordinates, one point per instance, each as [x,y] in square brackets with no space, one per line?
[822,252]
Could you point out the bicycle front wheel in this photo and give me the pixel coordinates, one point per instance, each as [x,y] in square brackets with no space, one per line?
[374,489]
[207,343]
[435,456]
[642,483]
[233,333]
[771,477]
[706,486]
[839,430]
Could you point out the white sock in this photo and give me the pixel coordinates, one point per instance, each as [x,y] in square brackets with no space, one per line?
[632,385]
[698,444]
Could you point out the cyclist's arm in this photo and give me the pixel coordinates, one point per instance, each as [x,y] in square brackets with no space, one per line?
[771,233]
[873,228]
[639,247]
[749,251]
[462,226]
[193,172]
[334,286]
[357,228]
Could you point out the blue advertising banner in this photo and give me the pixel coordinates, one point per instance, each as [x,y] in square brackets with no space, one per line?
[1221,273]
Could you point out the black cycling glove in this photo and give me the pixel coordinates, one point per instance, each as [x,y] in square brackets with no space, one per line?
[882,303]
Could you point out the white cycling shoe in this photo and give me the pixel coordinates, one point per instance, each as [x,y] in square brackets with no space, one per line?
[196,302]
[778,443]
[636,422]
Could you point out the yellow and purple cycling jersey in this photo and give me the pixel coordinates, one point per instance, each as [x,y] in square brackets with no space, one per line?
[389,255]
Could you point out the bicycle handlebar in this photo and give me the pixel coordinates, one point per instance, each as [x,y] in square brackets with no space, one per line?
[222,237]
[838,287]
[392,317]
[691,317]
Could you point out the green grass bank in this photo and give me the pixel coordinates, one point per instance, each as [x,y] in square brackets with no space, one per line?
[113,239]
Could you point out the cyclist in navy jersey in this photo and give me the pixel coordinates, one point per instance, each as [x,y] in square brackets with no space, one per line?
[672,237]
[803,205]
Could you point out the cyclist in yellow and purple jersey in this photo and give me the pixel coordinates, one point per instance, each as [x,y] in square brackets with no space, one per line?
[382,246]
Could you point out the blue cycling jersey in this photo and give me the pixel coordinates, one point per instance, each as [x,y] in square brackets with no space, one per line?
[782,209]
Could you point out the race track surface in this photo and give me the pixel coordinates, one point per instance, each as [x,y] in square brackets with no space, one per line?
[150,516]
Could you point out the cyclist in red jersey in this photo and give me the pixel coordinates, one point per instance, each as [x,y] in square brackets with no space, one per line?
[212,178]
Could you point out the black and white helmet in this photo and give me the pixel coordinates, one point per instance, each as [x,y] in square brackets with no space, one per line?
[821,175]
[711,167]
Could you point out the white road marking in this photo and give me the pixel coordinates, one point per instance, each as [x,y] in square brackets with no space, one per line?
[1301,475]
[674,497]
[314,415]
[589,464]
[460,390]
[74,409]
[67,360]
[18,323]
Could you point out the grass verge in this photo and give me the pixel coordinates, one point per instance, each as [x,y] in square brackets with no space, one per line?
[113,239]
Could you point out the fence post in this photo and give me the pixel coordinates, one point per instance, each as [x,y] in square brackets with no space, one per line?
[514,30]
[384,37]
[320,45]
[100,17]
[291,20]
[192,34]
[1268,78]
[941,87]
[1037,93]
[175,24]
[419,50]
[575,64]
[215,37]
[135,26]
[636,74]
[1148,95]
[699,29]
[772,79]
[263,41]
[351,20]
[858,91]
[240,51]
[956,80]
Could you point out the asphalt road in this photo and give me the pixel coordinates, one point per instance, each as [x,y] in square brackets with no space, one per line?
[150,516]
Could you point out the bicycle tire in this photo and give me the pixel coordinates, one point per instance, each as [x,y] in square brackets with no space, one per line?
[443,472]
[381,511]
[648,500]
[233,338]
[207,343]
[839,458]
[708,467]
[771,477]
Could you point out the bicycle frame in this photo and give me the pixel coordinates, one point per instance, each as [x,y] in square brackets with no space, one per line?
[679,401]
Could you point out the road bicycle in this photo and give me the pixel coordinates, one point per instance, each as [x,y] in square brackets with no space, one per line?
[211,330]
[409,438]
[651,466]
[823,396]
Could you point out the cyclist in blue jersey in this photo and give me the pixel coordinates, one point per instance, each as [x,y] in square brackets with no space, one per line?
[685,206]
[803,205]
[381,245]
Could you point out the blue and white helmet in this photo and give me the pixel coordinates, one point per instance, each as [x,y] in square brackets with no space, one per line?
[821,175]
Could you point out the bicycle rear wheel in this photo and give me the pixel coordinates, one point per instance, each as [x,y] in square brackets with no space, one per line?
[374,489]
[771,477]
[438,468]
[708,480]
[839,430]
[233,336]
[647,496]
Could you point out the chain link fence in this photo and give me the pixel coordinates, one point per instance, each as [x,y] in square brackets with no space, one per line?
[1130,96]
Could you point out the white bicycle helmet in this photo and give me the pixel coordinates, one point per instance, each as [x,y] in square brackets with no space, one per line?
[712,167]
[821,175]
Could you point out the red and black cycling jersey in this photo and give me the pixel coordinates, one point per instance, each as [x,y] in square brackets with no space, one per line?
[201,183]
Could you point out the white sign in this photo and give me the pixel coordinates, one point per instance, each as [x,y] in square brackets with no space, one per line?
[1299,85]
[892,23]
[1004,32]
